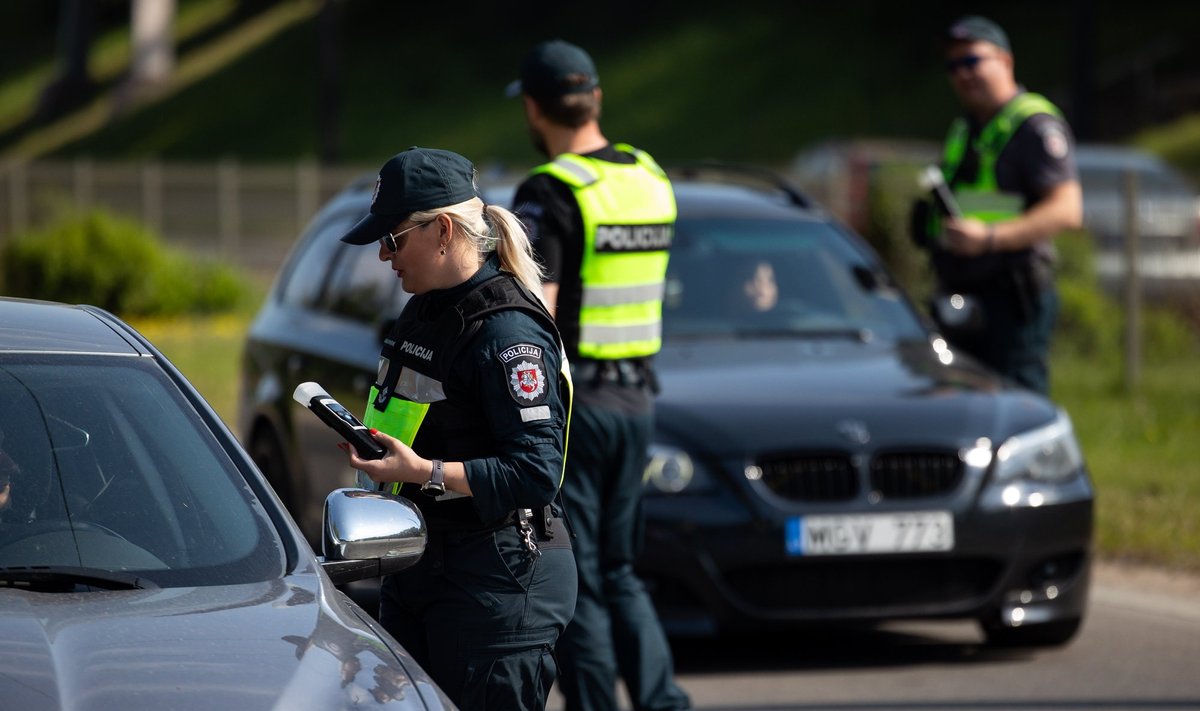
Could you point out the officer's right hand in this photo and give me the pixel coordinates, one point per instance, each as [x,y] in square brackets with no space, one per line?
[400,463]
[966,236]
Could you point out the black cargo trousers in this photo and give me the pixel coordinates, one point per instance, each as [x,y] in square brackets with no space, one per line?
[481,612]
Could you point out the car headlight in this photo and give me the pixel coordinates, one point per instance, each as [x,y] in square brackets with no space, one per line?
[671,470]
[1049,454]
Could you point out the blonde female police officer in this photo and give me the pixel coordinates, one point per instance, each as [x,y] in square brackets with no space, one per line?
[471,402]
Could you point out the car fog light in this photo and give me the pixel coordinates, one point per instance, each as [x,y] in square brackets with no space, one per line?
[669,470]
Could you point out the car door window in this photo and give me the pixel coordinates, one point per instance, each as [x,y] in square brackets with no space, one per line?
[304,280]
[360,286]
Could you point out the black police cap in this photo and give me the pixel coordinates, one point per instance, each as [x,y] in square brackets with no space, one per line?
[414,180]
[974,28]
[555,68]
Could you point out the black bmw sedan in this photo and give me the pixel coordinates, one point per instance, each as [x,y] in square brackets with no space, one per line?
[822,455]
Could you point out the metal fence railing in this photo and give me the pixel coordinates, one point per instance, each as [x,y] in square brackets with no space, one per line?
[247,213]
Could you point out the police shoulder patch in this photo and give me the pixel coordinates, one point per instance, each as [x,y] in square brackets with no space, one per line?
[525,370]
[1054,141]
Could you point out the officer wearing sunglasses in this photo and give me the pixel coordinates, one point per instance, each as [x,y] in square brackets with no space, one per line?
[471,401]
[1009,161]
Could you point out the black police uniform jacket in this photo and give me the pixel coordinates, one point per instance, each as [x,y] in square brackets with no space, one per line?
[498,356]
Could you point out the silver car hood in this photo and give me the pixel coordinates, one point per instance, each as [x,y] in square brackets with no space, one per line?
[291,643]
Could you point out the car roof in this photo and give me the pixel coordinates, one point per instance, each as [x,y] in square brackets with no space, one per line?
[701,199]
[703,192]
[48,327]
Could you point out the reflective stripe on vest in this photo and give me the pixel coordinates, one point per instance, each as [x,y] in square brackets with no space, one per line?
[983,199]
[628,213]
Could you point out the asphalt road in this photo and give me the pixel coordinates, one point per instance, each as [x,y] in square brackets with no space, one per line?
[1139,649]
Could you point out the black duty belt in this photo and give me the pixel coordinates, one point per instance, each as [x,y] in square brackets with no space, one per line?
[548,520]
[626,373]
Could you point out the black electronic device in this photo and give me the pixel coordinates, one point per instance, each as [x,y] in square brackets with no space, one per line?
[931,180]
[334,414]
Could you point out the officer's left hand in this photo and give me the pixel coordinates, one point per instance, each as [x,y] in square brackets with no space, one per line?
[966,236]
[400,463]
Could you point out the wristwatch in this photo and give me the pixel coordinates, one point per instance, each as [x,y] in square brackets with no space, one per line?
[436,486]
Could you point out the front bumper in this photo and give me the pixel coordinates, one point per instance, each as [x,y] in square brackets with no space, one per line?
[712,566]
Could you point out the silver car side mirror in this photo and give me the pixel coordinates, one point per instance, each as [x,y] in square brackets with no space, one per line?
[368,534]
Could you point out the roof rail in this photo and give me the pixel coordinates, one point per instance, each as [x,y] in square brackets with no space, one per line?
[742,174]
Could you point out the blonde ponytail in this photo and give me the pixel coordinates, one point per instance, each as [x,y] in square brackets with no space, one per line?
[514,248]
[491,227]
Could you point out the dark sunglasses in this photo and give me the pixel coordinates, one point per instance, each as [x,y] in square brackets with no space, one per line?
[968,62]
[389,240]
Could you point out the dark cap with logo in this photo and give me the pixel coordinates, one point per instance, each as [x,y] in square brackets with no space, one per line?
[414,180]
[974,28]
[555,68]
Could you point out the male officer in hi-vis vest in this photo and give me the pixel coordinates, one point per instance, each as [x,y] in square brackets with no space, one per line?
[1009,161]
[601,217]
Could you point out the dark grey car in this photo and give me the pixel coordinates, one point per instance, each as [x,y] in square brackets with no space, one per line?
[145,562]
[828,459]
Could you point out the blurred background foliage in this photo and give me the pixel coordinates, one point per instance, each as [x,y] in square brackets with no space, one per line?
[116,264]
[756,82]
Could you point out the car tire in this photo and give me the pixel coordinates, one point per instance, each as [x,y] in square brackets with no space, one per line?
[1049,634]
[267,453]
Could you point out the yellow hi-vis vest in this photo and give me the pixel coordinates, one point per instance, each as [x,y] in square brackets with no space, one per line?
[628,212]
[982,198]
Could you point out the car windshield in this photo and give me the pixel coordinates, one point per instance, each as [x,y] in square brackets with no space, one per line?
[108,468]
[750,278]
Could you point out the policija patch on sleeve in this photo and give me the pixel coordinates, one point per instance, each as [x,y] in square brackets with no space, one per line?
[526,373]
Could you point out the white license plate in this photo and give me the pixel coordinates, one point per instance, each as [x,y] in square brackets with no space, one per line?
[910,532]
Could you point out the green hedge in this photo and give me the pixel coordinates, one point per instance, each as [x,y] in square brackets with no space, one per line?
[1092,323]
[115,263]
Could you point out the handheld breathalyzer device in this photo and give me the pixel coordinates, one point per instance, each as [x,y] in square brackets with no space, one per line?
[931,180]
[334,414]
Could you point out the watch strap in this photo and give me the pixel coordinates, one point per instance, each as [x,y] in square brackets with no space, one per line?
[436,486]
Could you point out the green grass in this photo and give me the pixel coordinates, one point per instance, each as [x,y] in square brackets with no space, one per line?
[206,349]
[1142,450]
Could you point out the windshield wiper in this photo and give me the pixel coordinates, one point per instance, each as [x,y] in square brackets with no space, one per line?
[66,578]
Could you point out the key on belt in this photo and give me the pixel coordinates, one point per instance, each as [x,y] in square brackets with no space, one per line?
[527,533]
